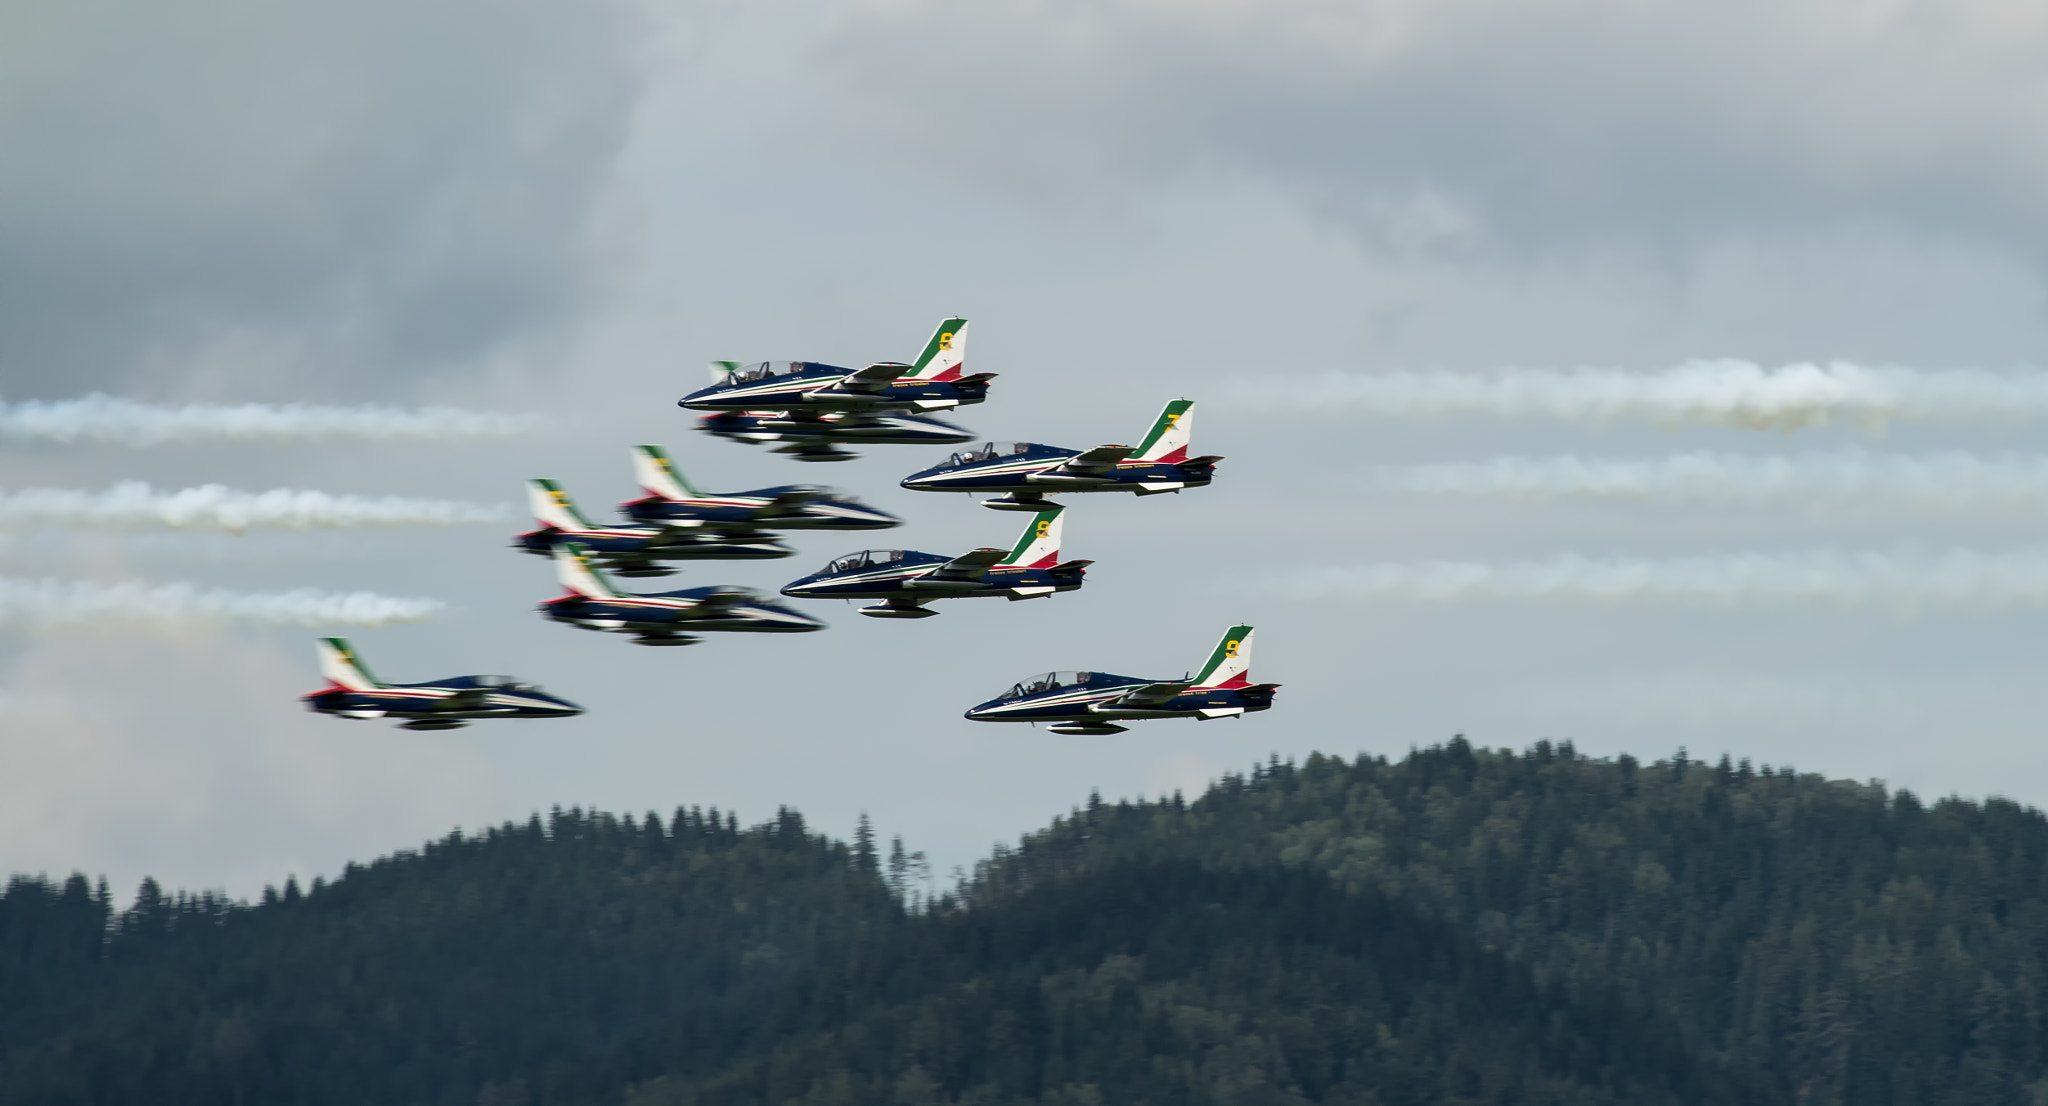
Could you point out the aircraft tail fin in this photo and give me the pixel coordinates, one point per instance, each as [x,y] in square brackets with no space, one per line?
[551,507]
[1039,546]
[1231,664]
[659,475]
[339,665]
[1168,440]
[945,356]
[576,571]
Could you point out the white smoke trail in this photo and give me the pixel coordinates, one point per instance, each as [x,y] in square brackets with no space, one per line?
[102,418]
[1954,579]
[48,602]
[1942,479]
[134,505]
[1735,393]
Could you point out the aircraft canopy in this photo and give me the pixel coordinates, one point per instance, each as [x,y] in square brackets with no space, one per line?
[766,369]
[990,451]
[866,558]
[1051,681]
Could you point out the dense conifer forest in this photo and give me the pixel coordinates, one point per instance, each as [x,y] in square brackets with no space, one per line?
[1460,926]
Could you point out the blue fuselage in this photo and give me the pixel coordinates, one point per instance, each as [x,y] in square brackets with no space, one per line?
[432,701]
[1031,468]
[649,543]
[912,578]
[678,612]
[833,428]
[813,386]
[1085,701]
[757,509]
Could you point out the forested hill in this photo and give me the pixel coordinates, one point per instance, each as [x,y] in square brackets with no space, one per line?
[1459,926]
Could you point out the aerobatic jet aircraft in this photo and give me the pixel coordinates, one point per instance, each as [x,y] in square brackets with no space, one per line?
[633,550]
[817,435]
[1094,702]
[665,618]
[351,692]
[1025,472]
[906,580]
[934,382]
[671,501]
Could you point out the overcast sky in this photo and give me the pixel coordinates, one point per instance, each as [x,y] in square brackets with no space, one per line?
[523,206]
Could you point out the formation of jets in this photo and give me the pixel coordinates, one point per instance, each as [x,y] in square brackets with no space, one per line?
[812,411]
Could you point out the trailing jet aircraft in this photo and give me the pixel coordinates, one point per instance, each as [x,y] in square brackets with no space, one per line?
[633,550]
[906,580]
[1093,702]
[671,501]
[664,618]
[1026,471]
[351,692]
[932,383]
[817,435]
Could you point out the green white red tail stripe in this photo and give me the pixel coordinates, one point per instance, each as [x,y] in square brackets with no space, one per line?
[339,665]
[1039,547]
[1171,432]
[551,507]
[1231,664]
[658,475]
[945,356]
[580,575]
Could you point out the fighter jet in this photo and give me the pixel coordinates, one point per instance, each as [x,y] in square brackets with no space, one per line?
[633,550]
[817,435]
[933,383]
[1092,703]
[671,501]
[1026,471]
[907,579]
[665,618]
[351,692]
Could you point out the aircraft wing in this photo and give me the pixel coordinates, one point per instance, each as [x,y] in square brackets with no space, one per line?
[468,698]
[1147,695]
[874,378]
[1098,459]
[719,603]
[795,497]
[971,565]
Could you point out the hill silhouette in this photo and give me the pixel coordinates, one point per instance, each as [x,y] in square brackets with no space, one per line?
[1457,926]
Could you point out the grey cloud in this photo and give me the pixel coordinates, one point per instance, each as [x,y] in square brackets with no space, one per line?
[1512,123]
[350,189]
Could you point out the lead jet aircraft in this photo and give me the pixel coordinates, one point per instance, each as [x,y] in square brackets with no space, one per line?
[665,618]
[817,435]
[907,580]
[633,550]
[351,692]
[671,501]
[1093,702]
[1026,471]
[934,382]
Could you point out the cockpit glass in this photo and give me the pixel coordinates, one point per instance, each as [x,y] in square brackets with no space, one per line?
[990,451]
[1051,681]
[764,370]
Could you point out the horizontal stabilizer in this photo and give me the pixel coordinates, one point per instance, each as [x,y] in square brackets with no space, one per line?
[1071,566]
[977,378]
[1203,461]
